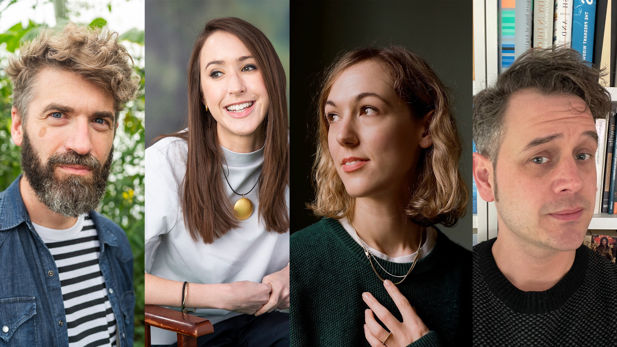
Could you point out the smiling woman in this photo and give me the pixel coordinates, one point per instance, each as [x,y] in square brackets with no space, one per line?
[214,253]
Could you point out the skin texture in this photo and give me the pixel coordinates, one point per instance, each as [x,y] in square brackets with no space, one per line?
[230,75]
[371,125]
[543,185]
[67,113]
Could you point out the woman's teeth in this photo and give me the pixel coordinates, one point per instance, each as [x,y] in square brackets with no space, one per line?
[239,107]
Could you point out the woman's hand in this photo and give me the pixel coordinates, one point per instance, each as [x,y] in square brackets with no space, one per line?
[401,333]
[245,296]
[279,297]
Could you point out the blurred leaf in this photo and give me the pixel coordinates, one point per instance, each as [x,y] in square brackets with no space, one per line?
[133,35]
[97,22]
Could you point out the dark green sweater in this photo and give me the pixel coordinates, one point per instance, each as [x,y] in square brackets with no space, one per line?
[329,273]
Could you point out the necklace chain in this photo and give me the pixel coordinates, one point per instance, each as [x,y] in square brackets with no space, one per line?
[232,188]
[370,258]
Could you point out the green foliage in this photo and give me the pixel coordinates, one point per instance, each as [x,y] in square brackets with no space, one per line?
[123,201]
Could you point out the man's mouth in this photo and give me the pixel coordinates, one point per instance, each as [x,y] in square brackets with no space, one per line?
[568,215]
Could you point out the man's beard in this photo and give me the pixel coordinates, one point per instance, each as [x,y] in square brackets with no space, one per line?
[72,195]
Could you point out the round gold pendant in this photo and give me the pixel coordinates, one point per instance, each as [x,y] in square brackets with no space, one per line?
[243,208]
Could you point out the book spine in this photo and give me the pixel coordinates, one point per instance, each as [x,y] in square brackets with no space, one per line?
[562,29]
[601,128]
[599,32]
[610,147]
[492,41]
[522,24]
[507,33]
[479,47]
[583,25]
[611,196]
[543,23]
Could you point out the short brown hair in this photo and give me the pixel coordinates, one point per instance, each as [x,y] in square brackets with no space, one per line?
[438,192]
[551,71]
[96,55]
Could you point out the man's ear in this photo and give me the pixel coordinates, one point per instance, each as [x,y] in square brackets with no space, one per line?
[17,130]
[483,174]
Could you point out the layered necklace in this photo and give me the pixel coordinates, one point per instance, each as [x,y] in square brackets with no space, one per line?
[373,260]
[243,207]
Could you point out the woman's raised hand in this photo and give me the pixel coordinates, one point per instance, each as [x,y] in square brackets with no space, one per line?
[246,296]
[400,333]
[279,297]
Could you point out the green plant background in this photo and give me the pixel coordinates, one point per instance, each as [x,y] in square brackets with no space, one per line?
[124,199]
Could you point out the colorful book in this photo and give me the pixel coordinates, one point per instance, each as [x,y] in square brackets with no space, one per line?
[543,17]
[562,27]
[515,30]
[610,148]
[583,25]
[507,33]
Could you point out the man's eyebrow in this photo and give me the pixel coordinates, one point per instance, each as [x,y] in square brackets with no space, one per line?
[362,96]
[57,107]
[219,62]
[542,140]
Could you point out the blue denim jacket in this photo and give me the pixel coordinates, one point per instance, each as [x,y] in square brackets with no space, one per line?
[31,306]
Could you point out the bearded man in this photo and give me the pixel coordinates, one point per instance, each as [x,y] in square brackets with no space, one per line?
[67,272]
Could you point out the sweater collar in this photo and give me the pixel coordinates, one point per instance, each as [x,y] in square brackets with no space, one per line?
[530,302]
[235,159]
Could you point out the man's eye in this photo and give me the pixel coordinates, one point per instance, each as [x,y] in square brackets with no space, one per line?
[57,115]
[584,156]
[100,121]
[539,160]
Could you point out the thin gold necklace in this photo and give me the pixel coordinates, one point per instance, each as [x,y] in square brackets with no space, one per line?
[370,258]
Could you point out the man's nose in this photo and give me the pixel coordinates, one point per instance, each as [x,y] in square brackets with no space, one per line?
[78,140]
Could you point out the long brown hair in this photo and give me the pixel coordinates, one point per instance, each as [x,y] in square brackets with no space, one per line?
[438,193]
[208,213]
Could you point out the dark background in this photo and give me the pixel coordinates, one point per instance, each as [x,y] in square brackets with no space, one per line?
[439,31]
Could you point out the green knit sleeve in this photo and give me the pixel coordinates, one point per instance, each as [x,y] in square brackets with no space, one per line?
[429,340]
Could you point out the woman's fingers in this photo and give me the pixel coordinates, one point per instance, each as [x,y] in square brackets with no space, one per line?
[380,311]
[370,338]
[272,302]
[401,302]
[374,327]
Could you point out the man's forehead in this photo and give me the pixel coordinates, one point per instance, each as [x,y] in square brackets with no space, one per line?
[528,110]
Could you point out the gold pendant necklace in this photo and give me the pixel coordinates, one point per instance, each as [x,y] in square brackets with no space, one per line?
[243,208]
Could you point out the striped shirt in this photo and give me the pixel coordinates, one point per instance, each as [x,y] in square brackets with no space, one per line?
[89,316]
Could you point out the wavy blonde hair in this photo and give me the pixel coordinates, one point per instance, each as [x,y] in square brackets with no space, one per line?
[437,193]
[95,55]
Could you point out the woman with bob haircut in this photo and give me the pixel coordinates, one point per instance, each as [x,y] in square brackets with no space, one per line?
[217,221]
[376,270]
